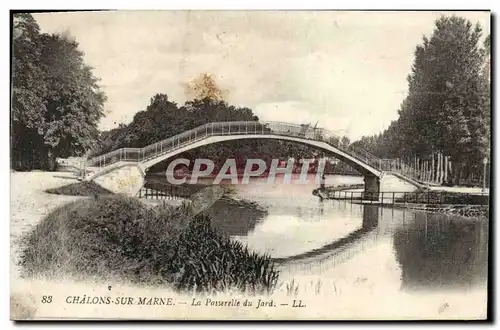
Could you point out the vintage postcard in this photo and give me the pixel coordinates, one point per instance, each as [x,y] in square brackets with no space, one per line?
[250,165]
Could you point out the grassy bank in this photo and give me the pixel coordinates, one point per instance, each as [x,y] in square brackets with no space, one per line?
[346,187]
[464,210]
[119,237]
[82,188]
[444,197]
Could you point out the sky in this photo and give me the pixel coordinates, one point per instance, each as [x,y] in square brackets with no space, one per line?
[345,70]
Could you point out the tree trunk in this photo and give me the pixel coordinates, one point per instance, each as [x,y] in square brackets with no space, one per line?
[456,168]
[433,172]
[467,174]
[439,168]
[427,170]
[51,160]
[444,169]
[445,164]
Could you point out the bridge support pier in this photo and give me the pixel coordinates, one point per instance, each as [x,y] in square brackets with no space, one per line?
[125,179]
[372,188]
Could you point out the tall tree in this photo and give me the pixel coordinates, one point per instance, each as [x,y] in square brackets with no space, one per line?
[447,109]
[56,100]
[455,60]
[28,89]
[74,101]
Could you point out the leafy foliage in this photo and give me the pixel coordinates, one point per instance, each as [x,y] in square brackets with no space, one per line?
[56,100]
[205,86]
[448,108]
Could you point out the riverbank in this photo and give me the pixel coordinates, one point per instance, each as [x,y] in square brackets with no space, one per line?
[460,201]
[461,210]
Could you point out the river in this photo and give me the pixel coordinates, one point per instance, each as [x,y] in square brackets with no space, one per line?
[408,249]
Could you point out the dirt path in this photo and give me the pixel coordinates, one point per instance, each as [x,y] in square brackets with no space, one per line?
[29,204]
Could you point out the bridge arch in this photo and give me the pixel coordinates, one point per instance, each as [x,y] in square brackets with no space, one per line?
[355,163]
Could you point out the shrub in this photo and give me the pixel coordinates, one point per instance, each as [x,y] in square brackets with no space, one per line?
[119,237]
[83,188]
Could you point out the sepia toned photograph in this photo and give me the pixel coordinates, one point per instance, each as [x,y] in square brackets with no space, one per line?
[250,165]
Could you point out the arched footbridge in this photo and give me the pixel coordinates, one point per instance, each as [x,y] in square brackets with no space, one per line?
[123,170]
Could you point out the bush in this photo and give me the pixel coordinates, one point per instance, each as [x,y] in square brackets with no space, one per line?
[119,237]
[83,188]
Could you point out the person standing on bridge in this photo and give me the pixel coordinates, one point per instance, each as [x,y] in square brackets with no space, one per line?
[322,181]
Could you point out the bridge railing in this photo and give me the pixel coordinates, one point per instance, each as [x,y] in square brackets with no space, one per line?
[248,128]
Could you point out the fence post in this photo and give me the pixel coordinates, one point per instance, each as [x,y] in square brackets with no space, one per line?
[428,197]
[393,198]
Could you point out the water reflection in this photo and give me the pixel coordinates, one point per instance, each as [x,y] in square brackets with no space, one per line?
[439,251]
[406,248]
[369,224]
[226,210]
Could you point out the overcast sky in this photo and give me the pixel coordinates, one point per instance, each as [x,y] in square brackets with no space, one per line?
[346,70]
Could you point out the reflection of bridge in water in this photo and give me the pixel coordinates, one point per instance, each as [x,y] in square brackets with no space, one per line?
[340,250]
[432,250]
